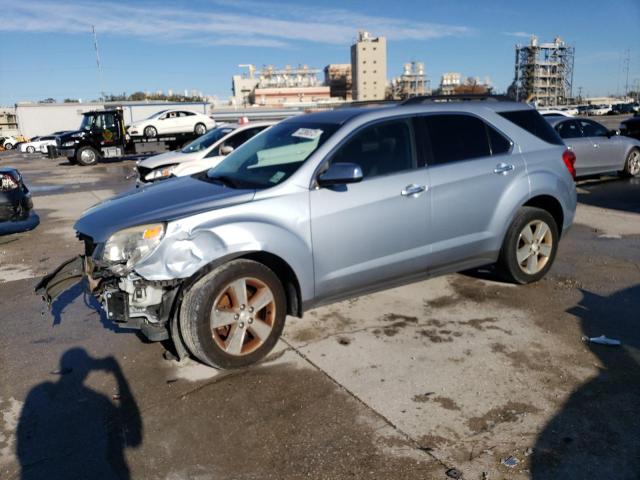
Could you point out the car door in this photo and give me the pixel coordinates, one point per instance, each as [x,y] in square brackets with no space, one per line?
[606,156]
[186,121]
[571,132]
[369,233]
[471,165]
[170,123]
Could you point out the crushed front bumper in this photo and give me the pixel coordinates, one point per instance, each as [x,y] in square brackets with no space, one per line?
[129,301]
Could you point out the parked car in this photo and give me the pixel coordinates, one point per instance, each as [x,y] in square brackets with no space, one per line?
[598,149]
[172,121]
[38,144]
[631,127]
[622,109]
[323,207]
[599,110]
[16,206]
[8,142]
[203,153]
[554,113]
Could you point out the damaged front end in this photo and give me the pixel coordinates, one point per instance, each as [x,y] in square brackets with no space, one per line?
[126,298]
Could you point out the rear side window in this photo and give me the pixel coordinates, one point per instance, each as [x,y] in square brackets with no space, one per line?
[532,122]
[457,137]
[593,129]
[569,129]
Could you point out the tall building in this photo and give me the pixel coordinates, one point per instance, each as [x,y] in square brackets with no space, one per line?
[449,82]
[412,83]
[544,72]
[369,67]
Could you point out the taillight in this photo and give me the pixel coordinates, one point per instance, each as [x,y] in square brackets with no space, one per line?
[7,182]
[569,159]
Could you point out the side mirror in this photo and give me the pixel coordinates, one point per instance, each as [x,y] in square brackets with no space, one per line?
[340,174]
[226,150]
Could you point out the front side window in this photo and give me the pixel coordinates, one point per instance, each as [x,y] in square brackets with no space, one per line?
[206,140]
[456,137]
[379,149]
[269,159]
[593,129]
[569,129]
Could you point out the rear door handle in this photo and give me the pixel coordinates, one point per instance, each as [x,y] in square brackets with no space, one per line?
[413,190]
[596,145]
[503,168]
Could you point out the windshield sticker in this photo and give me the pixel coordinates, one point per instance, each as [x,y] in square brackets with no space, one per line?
[276,177]
[308,133]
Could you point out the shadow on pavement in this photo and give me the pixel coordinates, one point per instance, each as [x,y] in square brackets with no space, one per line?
[611,192]
[596,434]
[67,430]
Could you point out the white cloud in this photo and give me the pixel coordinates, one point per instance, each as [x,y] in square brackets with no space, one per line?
[247,23]
[518,34]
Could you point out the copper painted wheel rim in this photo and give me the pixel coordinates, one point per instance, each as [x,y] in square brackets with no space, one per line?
[243,316]
[534,247]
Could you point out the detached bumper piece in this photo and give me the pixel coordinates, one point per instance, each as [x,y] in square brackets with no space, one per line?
[126,302]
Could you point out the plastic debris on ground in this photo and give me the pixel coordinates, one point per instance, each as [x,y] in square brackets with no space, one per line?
[602,340]
[453,473]
[510,462]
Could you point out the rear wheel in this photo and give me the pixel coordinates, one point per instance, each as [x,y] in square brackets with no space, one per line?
[86,156]
[150,132]
[8,146]
[30,149]
[200,129]
[632,164]
[530,246]
[234,315]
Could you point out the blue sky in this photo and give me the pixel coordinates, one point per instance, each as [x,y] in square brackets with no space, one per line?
[46,48]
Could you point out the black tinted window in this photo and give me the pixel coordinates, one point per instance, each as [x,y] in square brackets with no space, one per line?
[534,123]
[379,149]
[457,137]
[593,129]
[499,144]
[569,129]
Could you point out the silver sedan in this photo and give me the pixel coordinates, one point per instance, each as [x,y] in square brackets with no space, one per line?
[598,149]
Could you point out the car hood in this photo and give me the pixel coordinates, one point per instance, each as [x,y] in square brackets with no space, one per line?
[168,158]
[65,137]
[160,202]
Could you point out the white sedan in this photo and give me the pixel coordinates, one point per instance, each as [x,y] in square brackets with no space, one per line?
[203,153]
[171,121]
[38,144]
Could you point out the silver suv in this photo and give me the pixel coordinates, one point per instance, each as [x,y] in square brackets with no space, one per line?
[323,207]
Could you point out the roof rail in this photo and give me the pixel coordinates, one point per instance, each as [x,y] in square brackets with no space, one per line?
[456,98]
[367,103]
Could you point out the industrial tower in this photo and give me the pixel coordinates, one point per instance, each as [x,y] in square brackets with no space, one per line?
[544,72]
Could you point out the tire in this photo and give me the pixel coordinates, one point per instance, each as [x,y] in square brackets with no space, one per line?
[200,129]
[87,156]
[535,258]
[30,150]
[238,342]
[150,132]
[8,146]
[632,164]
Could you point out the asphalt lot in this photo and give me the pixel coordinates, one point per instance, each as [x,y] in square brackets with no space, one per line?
[456,372]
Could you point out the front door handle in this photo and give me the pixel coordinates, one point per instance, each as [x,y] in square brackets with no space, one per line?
[503,168]
[596,145]
[413,190]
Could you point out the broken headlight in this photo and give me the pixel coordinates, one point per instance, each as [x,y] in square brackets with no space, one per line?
[162,172]
[133,244]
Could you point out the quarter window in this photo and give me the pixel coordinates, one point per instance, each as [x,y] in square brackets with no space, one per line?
[379,149]
[499,144]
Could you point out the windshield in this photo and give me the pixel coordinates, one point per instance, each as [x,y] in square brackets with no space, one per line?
[87,121]
[205,141]
[272,156]
[157,114]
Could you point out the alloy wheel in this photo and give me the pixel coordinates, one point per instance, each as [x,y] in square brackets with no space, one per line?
[88,156]
[243,316]
[634,163]
[535,244]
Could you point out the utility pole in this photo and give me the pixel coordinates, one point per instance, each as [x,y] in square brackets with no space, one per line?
[627,62]
[95,46]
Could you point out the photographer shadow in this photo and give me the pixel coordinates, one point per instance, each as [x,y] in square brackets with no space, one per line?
[67,430]
[596,433]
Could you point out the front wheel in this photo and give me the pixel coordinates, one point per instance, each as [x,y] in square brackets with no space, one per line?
[200,129]
[86,156]
[632,164]
[30,150]
[150,132]
[8,146]
[530,246]
[234,315]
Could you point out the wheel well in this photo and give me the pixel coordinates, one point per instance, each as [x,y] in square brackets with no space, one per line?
[287,276]
[551,205]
